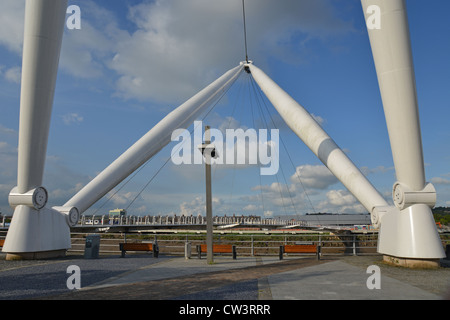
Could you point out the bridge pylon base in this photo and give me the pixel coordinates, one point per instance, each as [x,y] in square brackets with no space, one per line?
[42,255]
[412,263]
[37,234]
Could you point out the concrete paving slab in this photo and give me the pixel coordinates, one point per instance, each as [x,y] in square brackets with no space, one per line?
[339,280]
[176,267]
[247,278]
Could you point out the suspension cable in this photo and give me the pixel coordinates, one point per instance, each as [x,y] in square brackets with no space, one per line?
[245,31]
[254,126]
[167,161]
[263,117]
[284,146]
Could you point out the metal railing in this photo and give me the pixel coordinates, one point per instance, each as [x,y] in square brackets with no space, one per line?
[246,244]
[105,220]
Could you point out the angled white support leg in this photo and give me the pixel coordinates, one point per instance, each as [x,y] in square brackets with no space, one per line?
[408,231]
[312,134]
[151,143]
[37,231]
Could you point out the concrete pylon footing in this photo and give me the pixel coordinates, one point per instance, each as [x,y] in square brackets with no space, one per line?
[412,263]
[36,255]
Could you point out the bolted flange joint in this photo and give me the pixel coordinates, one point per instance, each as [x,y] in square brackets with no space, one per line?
[36,198]
[72,214]
[404,197]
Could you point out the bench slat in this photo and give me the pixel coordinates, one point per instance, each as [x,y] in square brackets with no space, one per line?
[218,248]
[300,248]
[130,246]
[137,246]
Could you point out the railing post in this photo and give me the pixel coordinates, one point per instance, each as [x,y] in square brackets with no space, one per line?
[318,251]
[155,249]
[320,241]
[253,247]
[199,251]
[187,250]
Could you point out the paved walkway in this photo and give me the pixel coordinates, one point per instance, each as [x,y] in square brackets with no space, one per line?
[267,278]
[247,278]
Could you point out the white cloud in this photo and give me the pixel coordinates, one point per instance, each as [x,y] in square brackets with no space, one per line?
[8,168]
[439,180]
[13,74]
[340,198]
[268,214]
[340,201]
[195,207]
[72,118]
[12,16]
[173,50]
[276,198]
[276,187]
[316,182]
[198,206]
[198,39]
[314,176]
[7,131]
[251,207]
[185,44]
[86,52]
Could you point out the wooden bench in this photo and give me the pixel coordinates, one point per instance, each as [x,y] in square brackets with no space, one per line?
[300,248]
[217,248]
[131,246]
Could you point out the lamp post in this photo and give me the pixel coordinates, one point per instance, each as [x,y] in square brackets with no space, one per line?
[209,152]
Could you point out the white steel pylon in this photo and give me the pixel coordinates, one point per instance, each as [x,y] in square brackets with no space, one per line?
[303,124]
[152,142]
[40,232]
[407,231]
[37,231]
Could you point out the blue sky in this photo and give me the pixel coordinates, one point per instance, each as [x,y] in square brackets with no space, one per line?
[134,61]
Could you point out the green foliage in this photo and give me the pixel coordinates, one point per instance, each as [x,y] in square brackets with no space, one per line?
[442,215]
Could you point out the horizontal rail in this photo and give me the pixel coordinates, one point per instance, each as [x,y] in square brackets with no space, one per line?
[250,245]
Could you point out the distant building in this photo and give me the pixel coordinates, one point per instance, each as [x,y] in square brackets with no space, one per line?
[116,213]
[334,219]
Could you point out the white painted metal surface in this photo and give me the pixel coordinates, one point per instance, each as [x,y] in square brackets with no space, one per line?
[312,134]
[35,228]
[407,230]
[34,231]
[44,26]
[151,143]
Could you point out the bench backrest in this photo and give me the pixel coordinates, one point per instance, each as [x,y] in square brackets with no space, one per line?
[218,248]
[300,248]
[129,246]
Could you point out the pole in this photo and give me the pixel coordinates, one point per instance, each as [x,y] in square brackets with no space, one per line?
[209,222]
